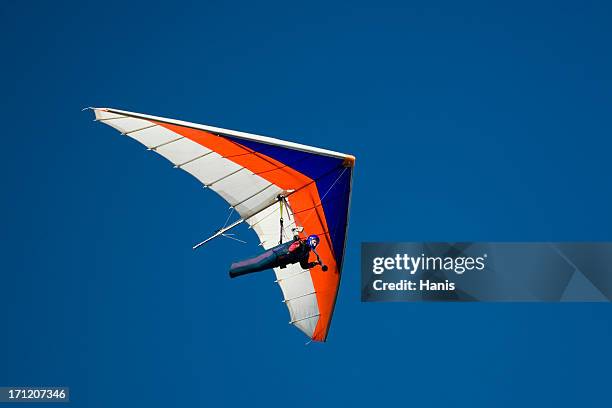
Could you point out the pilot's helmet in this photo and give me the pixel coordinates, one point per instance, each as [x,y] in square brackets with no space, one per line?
[313,241]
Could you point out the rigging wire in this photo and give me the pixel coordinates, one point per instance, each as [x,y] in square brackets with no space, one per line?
[323,198]
[228,217]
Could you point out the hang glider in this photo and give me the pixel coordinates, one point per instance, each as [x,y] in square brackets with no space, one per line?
[260,177]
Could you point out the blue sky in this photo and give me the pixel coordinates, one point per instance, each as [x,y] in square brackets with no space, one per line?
[470,121]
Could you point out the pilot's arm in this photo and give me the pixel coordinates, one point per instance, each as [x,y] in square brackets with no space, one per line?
[307,265]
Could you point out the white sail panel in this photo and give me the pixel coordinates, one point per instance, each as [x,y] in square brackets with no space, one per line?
[183,151]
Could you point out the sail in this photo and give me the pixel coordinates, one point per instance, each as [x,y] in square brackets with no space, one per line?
[251,172]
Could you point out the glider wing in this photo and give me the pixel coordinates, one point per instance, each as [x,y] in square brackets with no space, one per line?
[250,172]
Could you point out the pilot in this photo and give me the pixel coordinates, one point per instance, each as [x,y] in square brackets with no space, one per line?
[292,252]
